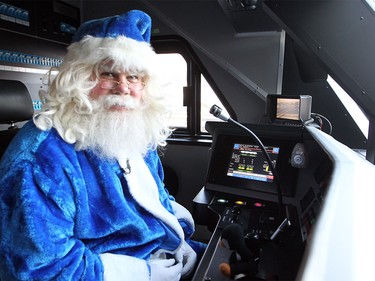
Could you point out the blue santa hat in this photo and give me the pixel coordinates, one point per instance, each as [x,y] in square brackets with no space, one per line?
[133,24]
[123,38]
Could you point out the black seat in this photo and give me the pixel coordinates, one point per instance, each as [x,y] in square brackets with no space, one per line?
[15,106]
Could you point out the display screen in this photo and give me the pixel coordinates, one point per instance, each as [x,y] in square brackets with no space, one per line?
[248,161]
[287,108]
[238,164]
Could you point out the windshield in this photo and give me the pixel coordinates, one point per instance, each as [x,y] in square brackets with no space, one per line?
[371,4]
[350,105]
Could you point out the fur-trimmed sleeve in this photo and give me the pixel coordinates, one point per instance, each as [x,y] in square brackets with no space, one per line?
[37,223]
[37,216]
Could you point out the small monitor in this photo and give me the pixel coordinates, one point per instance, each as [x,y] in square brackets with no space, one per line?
[289,109]
[238,165]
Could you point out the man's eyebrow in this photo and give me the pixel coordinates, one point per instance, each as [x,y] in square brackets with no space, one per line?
[106,70]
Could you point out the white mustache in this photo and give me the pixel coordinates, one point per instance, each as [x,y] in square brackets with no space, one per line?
[119,100]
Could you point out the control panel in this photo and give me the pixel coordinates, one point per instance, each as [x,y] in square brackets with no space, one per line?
[258,218]
[262,227]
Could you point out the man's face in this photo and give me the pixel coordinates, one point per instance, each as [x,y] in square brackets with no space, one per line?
[121,91]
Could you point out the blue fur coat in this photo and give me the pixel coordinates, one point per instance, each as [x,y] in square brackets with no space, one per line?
[60,209]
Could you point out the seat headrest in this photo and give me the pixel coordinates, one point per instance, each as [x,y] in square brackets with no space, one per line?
[15,102]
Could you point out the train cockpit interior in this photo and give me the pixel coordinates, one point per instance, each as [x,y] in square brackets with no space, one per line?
[281,187]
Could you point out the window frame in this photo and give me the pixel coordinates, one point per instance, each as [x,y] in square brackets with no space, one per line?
[164,44]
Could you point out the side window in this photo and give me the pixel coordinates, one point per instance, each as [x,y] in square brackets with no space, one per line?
[190,93]
[208,98]
[174,66]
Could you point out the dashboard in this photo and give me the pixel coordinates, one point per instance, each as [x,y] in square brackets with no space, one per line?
[242,190]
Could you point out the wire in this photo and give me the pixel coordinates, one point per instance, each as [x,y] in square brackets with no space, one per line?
[273,169]
[319,117]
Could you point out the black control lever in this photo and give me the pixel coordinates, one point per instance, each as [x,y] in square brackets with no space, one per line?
[284,223]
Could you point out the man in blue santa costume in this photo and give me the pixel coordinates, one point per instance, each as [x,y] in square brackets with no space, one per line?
[81,185]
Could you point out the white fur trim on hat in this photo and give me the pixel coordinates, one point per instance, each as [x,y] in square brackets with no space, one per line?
[128,52]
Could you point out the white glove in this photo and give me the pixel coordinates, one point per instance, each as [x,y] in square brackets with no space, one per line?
[188,257]
[165,269]
[121,267]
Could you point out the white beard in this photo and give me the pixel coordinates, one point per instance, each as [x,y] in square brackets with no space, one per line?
[114,134]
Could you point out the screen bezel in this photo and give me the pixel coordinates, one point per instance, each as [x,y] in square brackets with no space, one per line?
[301,113]
[217,178]
[272,107]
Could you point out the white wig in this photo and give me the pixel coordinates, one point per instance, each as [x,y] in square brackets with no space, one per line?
[68,94]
